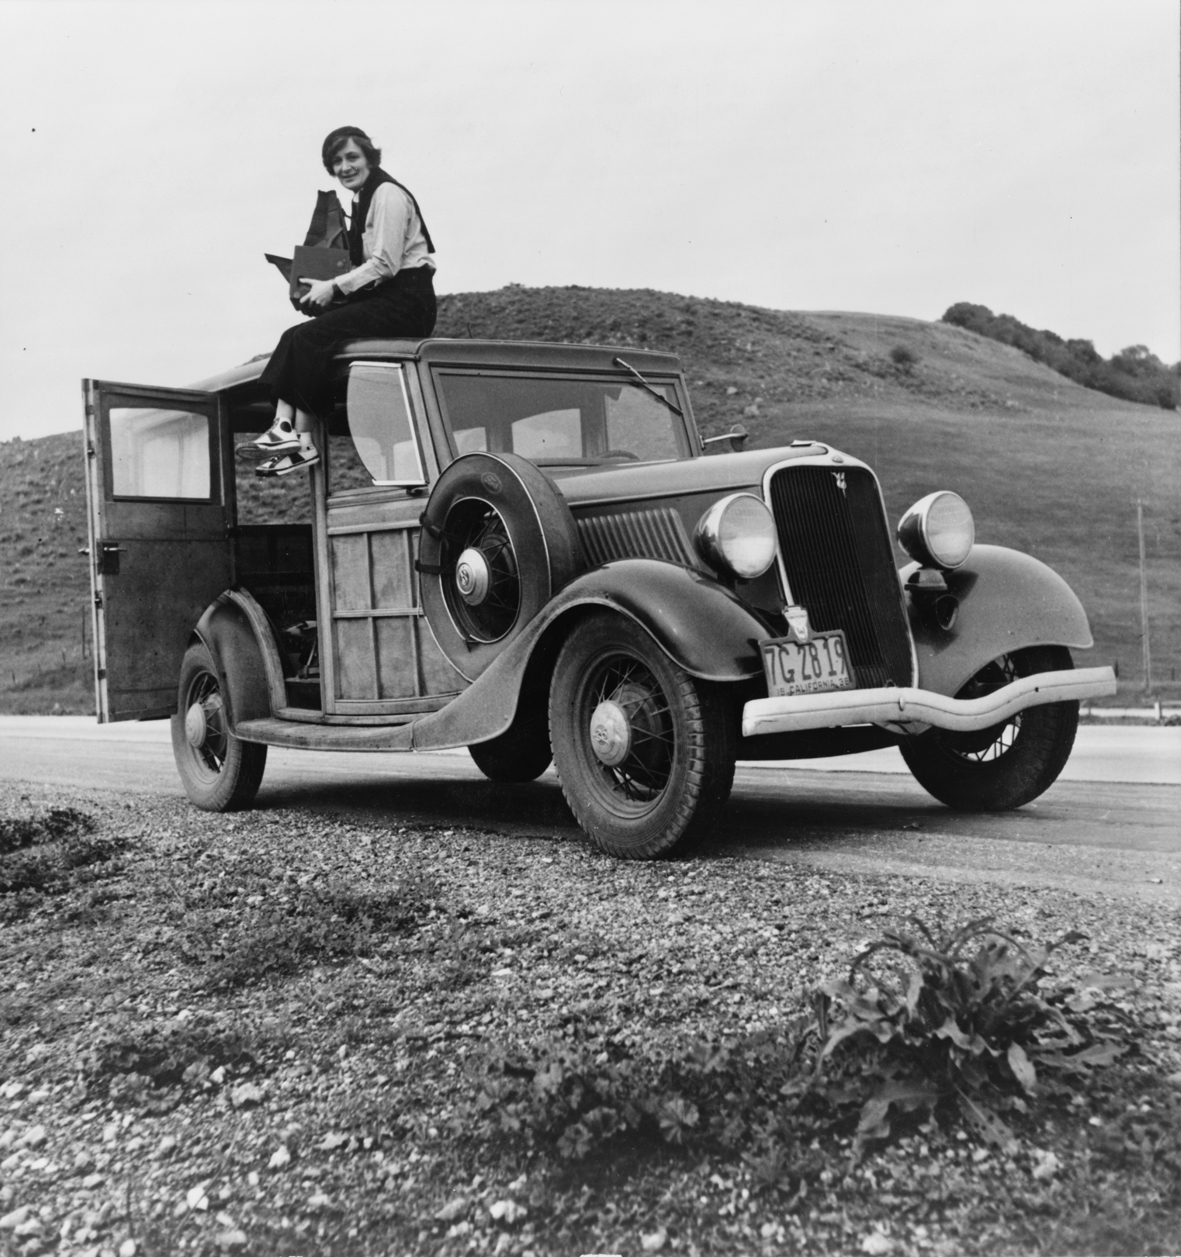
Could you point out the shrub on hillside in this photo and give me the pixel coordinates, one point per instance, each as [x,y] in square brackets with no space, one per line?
[1134,374]
[903,358]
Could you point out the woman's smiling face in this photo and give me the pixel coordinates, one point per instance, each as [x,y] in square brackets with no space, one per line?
[351,166]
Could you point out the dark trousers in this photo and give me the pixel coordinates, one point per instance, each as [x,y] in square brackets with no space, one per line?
[300,369]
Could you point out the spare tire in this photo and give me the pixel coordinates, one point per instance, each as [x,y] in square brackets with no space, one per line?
[497,542]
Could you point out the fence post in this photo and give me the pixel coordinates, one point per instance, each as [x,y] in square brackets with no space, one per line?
[1144,602]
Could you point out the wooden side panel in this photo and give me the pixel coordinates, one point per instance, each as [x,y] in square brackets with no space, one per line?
[356,671]
[396,654]
[387,661]
[393,569]
[350,572]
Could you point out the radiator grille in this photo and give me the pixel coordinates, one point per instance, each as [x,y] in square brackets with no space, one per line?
[840,566]
[652,534]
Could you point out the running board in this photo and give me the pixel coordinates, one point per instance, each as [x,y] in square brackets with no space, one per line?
[904,707]
[325,737]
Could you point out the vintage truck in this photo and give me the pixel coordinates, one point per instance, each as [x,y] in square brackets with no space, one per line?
[528,550]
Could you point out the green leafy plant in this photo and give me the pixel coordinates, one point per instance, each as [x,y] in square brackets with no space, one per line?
[960,1020]
[577,1095]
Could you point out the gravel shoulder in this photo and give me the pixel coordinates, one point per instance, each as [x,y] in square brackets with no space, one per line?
[289,1032]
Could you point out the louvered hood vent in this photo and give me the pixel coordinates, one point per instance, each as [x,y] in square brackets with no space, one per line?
[651,534]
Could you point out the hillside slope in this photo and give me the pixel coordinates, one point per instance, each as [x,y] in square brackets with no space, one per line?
[1047,466]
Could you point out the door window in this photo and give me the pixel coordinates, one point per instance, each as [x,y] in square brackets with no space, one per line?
[160,454]
[381,426]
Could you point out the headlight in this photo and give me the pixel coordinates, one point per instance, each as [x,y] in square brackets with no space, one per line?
[737,535]
[938,531]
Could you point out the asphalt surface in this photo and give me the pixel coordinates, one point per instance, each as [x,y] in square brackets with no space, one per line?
[1110,825]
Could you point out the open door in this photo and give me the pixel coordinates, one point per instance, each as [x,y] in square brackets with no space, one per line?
[159,536]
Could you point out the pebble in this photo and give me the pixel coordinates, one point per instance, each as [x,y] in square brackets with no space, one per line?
[34,1137]
[166,1146]
[246,1095]
[10,1221]
[279,1158]
[231,1239]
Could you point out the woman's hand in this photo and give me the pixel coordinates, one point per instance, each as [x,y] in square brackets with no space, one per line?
[321,293]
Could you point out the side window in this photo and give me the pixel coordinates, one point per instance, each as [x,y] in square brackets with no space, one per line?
[160,454]
[381,425]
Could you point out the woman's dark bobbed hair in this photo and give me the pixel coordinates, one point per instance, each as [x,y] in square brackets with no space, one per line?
[340,137]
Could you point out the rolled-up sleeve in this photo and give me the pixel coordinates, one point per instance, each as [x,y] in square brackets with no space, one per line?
[386,230]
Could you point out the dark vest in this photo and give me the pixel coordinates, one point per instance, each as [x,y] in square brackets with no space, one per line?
[361,213]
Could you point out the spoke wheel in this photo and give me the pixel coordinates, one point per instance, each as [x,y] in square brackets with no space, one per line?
[1010,763]
[219,771]
[497,542]
[480,578]
[644,751]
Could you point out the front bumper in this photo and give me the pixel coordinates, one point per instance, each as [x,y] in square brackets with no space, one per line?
[910,710]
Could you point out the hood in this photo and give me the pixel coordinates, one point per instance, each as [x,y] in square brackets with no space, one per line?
[712,474]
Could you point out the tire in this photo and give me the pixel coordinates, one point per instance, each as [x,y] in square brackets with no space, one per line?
[521,753]
[498,541]
[220,772]
[671,740]
[1009,764]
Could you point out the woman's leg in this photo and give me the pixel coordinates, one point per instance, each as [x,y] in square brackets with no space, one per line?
[300,370]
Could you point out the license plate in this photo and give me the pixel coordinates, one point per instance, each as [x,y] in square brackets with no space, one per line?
[811,667]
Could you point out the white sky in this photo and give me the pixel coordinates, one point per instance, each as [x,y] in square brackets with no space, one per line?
[893,156]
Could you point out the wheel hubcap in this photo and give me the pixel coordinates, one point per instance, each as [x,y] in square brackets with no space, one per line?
[473,577]
[610,733]
[196,726]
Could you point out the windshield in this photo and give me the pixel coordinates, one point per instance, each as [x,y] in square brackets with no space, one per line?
[562,422]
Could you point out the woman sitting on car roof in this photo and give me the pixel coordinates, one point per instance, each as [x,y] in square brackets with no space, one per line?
[389,292]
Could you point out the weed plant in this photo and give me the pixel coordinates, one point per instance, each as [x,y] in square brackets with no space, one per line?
[960,1020]
[957,1027]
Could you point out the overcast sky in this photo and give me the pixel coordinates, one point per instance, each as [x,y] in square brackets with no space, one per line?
[893,156]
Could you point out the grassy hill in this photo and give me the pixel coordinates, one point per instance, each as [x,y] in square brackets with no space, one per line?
[1047,466]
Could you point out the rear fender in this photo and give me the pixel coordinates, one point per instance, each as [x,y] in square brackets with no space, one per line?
[698,623]
[1007,601]
[237,634]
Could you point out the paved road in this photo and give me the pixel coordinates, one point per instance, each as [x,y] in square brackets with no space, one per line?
[1112,823]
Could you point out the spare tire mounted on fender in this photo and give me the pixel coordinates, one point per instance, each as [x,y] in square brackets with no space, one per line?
[498,541]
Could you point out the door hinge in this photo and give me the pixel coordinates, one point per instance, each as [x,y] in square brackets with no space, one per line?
[90,449]
[98,601]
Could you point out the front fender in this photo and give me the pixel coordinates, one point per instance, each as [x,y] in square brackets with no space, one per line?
[1008,600]
[235,631]
[698,623]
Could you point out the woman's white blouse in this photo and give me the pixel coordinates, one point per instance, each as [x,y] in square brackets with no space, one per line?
[392,241]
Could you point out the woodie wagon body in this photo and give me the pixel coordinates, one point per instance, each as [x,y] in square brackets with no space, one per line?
[528,550]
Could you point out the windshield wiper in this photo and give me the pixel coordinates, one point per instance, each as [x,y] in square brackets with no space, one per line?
[660,397]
